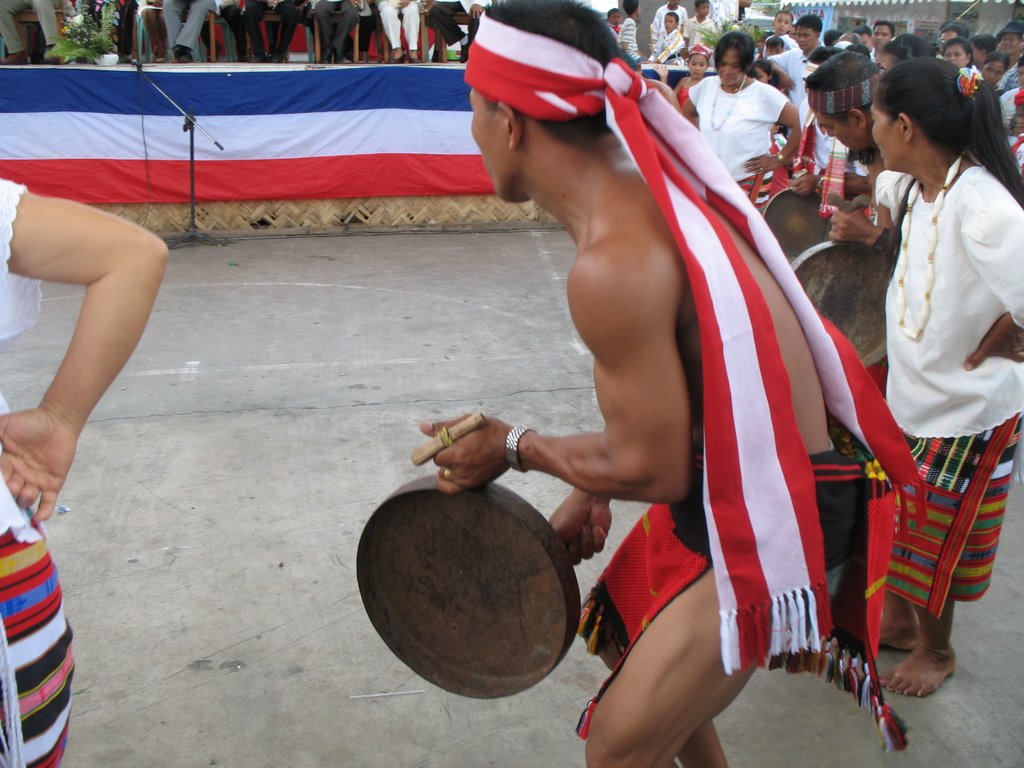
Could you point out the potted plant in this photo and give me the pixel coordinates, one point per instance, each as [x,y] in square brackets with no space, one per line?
[86,39]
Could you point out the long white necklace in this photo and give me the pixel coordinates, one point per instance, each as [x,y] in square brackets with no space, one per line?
[714,104]
[903,263]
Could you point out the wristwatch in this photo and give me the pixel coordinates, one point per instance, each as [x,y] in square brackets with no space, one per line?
[512,446]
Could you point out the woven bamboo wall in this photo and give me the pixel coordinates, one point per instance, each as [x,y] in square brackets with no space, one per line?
[264,215]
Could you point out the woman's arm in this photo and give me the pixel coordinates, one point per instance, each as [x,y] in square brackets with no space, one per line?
[121,266]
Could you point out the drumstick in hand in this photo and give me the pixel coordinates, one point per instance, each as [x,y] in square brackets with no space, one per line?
[445,438]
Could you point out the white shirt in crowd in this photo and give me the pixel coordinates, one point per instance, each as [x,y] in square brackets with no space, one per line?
[979,275]
[793,62]
[737,126]
[658,25]
[822,142]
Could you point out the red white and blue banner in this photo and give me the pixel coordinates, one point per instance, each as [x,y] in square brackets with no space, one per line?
[100,135]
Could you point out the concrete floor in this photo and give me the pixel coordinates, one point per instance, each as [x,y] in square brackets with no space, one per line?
[208,559]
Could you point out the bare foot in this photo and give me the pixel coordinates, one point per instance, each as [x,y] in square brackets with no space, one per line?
[921,673]
[902,637]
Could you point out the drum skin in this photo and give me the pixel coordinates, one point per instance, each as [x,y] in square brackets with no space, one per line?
[847,282]
[474,592]
[795,222]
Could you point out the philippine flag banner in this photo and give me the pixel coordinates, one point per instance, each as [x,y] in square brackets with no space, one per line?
[108,136]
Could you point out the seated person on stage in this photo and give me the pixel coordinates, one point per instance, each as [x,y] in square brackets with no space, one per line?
[281,39]
[409,11]
[719,576]
[182,38]
[441,19]
[231,12]
[46,11]
[336,19]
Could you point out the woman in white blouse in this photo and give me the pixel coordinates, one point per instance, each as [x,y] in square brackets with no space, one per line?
[956,197]
[737,114]
[121,267]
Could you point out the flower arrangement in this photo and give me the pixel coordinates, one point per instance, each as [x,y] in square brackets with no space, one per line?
[86,39]
[710,39]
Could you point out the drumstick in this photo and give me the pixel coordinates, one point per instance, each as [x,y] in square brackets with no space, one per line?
[445,437]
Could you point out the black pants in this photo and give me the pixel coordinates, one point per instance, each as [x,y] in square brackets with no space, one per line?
[441,18]
[278,44]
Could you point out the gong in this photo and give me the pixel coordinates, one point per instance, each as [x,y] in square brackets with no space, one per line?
[847,282]
[795,222]
[474,592]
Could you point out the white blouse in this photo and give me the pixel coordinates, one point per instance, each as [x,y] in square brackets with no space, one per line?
[979,275]
[19,307]
[737,126]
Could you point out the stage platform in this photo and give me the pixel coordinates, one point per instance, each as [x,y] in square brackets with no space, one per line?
[305,146]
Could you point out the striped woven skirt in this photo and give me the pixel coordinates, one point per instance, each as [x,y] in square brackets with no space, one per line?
[38,647]
[950,553]
[758,188]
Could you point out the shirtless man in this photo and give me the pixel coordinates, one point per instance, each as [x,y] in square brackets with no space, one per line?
[631,299]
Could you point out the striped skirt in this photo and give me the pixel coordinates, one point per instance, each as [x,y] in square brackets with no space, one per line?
[38,647]
[950,554]
[758,188]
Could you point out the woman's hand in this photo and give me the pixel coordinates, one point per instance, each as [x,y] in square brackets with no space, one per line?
[762,164]
[582,521]
[38,449]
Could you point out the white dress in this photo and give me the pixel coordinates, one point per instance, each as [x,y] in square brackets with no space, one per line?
[737,126]
[979,275]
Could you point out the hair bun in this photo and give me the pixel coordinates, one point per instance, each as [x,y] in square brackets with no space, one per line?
[967,82]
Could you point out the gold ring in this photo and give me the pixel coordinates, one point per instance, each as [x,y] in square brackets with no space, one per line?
[446,473]
[445,437]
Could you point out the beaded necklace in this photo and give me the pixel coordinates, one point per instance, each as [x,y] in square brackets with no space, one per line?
[714,105]
[903,263]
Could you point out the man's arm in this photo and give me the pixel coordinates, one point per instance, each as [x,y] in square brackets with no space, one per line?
[624,304]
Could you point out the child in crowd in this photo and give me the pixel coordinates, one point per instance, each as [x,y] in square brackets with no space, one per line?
[773,46]
[957,51]
[615,20]
[672,44]
[627,33]
[697,64]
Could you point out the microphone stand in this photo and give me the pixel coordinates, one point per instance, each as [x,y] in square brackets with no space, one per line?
[192,234]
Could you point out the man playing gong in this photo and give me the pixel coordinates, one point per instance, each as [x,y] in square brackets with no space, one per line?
[716,380]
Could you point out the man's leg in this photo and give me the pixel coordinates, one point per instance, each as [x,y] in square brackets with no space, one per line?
[669,689]
[46,11]
[289,21]
[323,11]
[194,23]
[931,661]
[9,28]
[346,23]
[253,15]
[392,28]
[411,25]
[172,19]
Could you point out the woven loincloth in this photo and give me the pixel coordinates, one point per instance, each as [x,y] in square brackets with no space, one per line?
[950,554]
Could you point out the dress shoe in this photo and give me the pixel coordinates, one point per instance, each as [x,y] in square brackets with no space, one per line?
[464,54]
[277,58]
[21,57]
[182,54]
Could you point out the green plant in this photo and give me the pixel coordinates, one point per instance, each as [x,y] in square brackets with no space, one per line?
[711,38]
[86,38]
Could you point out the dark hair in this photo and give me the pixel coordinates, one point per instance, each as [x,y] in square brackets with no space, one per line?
[628,7]
[987,43]
[926,91]
[741,42]
[844,70]
[821,54]
[700,2]
[765,66]
[810,21]
[673,14]
[953,42]
[774,42]
[903,47]
[862,29]
[783,10]
[613,10]
[578,26]
[863,50]
[999,56]
[955,26]
[889,24]
[831,36]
